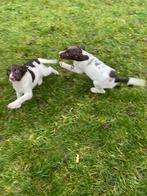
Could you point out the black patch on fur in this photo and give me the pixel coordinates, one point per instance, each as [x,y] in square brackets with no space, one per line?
[74,53]
[130,85]
[30,63]
[32,74]
[117,78]
[37,61]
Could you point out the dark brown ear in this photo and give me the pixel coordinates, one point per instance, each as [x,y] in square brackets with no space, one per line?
[23,69]
[83,58]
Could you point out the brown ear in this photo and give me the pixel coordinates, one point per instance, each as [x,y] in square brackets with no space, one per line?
[83,58]
[23,69]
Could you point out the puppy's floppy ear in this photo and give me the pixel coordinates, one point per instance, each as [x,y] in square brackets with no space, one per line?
[23,69]
[84,57]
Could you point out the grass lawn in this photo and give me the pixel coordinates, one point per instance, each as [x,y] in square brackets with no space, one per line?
[39,142]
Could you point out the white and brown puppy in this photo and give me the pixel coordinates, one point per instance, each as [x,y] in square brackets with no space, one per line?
[25,77]
[102,75]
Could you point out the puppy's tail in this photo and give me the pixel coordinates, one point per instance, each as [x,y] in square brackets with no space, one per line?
[136,82]
[131,81]
[128,81]
[46,61]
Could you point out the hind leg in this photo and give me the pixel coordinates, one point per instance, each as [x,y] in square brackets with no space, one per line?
[53,71]
[97,88]
[40,81]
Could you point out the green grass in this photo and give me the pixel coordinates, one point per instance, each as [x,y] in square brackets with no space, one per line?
[40,141]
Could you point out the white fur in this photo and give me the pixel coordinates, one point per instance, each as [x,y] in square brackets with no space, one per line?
[136,82]
[24,87]
[98,72]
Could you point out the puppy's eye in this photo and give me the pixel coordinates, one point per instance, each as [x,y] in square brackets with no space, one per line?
[16,71]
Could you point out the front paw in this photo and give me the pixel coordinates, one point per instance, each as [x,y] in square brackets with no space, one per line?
[55,72]
[94,90]
[13,105]
[61,64]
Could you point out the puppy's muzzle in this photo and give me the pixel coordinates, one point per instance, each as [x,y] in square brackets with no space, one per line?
[61,55]
[12,79]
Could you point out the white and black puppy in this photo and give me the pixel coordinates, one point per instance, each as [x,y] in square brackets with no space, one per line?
[25,77]
[102,75]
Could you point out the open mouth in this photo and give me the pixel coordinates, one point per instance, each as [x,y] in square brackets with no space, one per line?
[12,79]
